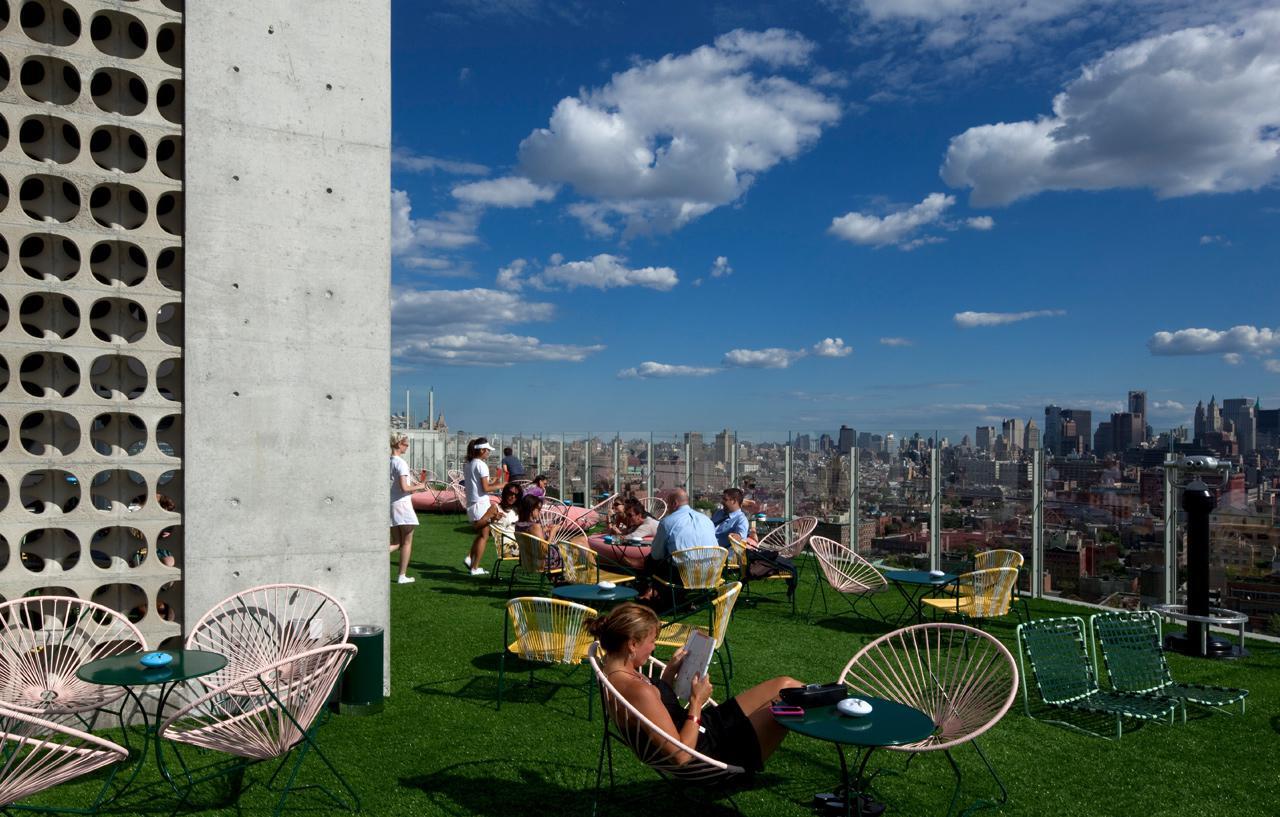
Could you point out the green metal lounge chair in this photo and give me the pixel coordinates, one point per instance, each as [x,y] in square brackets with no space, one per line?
[1066,678]
[1130,645]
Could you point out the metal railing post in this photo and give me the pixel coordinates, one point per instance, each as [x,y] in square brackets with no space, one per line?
[733,460]
[560,463]
[1170,589]
[786,495]
[1037,523]
[586,471]
[617,445]
[538,439]
[935,508]
[688,466]
[648,468]
[853,499]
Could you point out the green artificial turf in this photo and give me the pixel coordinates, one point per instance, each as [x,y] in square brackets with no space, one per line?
[441,747]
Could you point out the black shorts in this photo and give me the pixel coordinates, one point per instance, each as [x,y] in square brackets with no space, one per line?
[729,736]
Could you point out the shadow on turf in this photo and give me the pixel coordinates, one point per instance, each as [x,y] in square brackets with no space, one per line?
[472,787]
[519,687]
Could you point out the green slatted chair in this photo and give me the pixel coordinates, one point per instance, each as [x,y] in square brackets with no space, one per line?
[1130,646]
[1065,677]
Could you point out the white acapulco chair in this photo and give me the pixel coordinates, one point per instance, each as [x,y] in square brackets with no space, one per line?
[850,575]
[654,506]
[963,678]
[265,624]
[652,746]
[40,754]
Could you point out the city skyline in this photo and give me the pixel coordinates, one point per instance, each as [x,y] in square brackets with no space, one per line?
[935,242]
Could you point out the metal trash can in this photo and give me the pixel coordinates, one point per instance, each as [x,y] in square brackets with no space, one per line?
[362,681]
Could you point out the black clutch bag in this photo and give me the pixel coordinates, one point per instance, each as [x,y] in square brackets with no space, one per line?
[814,695]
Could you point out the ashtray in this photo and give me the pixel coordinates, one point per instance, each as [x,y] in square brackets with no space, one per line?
[155,659]
[937,574]
[854,708]
[605,586]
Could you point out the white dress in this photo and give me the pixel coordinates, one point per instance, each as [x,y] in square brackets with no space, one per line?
[477,500]
[401,501]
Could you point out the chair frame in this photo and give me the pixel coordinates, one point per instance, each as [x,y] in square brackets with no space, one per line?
[1006,557]
[675,633]
[899,667]
[627,725]
[698,568]
[1119,644]
[849,574]
[253,694]
[652,502]
[1086,696]
[52,759]
[545,653]
[990,595]
[787,541]
[533,556]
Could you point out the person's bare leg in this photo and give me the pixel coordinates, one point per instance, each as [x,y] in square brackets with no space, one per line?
[395,539]
[406,547]
[755,704]
[482,537]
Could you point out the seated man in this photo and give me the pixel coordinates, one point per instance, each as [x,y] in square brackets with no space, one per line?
[682,528]
[634,531]
[730,518]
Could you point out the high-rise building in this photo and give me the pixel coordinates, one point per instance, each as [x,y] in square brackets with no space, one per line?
[846,439]
[144,404]
[1241,413]
[1031,436]
[984,438]
[1212,416]
[864,439]
[1052,429]
[1082,433]
[724,446]
[1199,424]
[1138,408]
[1012,431]
[825,443]
[1104,438]
[1268,426]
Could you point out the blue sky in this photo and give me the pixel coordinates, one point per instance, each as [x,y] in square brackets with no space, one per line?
[896,215]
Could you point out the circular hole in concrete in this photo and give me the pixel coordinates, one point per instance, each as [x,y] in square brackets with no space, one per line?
[169,156]
[49,491]
[118,376]
[118,263]
[49,374]
[118,149]
[169,435]
[117,320]
[169,212]
[117,34]
[169,323]
[169,100]
[48,79]
[49,198]
[51,22]
[47,257]
[49,433]
[118,489]
[49,316]
[169,44]
[169,379]
[49,139]
[116,90]
[50,547]
[118,434]
[169,268]
[118,206]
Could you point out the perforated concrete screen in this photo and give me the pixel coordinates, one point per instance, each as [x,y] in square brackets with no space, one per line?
[91,304]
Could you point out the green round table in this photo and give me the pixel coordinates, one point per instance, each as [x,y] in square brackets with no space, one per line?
[126,670]
[889,724]
[590,594]
[913,585]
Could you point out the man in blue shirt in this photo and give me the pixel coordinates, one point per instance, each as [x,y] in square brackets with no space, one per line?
[729,518]
[682,528]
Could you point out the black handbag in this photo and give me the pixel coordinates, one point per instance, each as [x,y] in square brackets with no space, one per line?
[814,695]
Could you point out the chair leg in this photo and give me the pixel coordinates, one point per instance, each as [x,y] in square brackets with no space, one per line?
[1004,792]
[955,794]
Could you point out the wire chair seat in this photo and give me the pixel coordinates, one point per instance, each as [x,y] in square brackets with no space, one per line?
[984,593]
[40,754]
[846,572]
[549,631]
[1130,645]
[597,513]
[581,565]
[260,626]
[45,639]
[654,506]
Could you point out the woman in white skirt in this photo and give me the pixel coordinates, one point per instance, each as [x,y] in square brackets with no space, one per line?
[403,517]
[480,509]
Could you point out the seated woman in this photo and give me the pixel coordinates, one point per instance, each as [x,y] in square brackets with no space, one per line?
[538,487]
[527,521]
[741,731]
[636,530]
[504,527]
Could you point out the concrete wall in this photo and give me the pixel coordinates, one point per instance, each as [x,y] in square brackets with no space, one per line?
[288,112]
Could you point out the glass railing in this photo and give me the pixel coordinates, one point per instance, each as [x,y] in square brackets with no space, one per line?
[1094,532]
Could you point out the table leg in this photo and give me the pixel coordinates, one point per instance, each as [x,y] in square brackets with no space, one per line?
[914,608]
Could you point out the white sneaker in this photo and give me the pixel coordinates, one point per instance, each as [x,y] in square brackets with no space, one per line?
[467,562]
[406,580]
[479,571]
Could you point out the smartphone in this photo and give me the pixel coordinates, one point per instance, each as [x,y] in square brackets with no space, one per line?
[784,711]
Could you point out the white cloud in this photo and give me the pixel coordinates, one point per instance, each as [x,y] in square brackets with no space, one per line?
[1168,405]
[407,160]
[1232,358]
[720,268]
[509,191]
[832,347]
[896,342]
[438,327]
[771,358]
[968,320]
[650,369]
[669,140]
[1214,239]
[980,223]
[895,228]
[1192,111]
[1272,366]
[603,271]
[1198,341]
[449,230]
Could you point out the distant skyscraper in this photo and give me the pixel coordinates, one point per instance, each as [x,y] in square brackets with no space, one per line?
[1083,432]
[1199,427]
[1240,411]
[1104,438]
[825,443]
[890,443]
[1031,436]
[724,446]
[800,443]
[1053,429]
[985,438]
[1012,431]
[1138,408]
[846,439]
[864,439]
[1212,416]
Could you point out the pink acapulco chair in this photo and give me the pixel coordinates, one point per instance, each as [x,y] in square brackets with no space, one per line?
[661,751]
[41,754]
[784,542]
[44,640]
[262,716]
[850,575]
[961,677]
[262,625]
